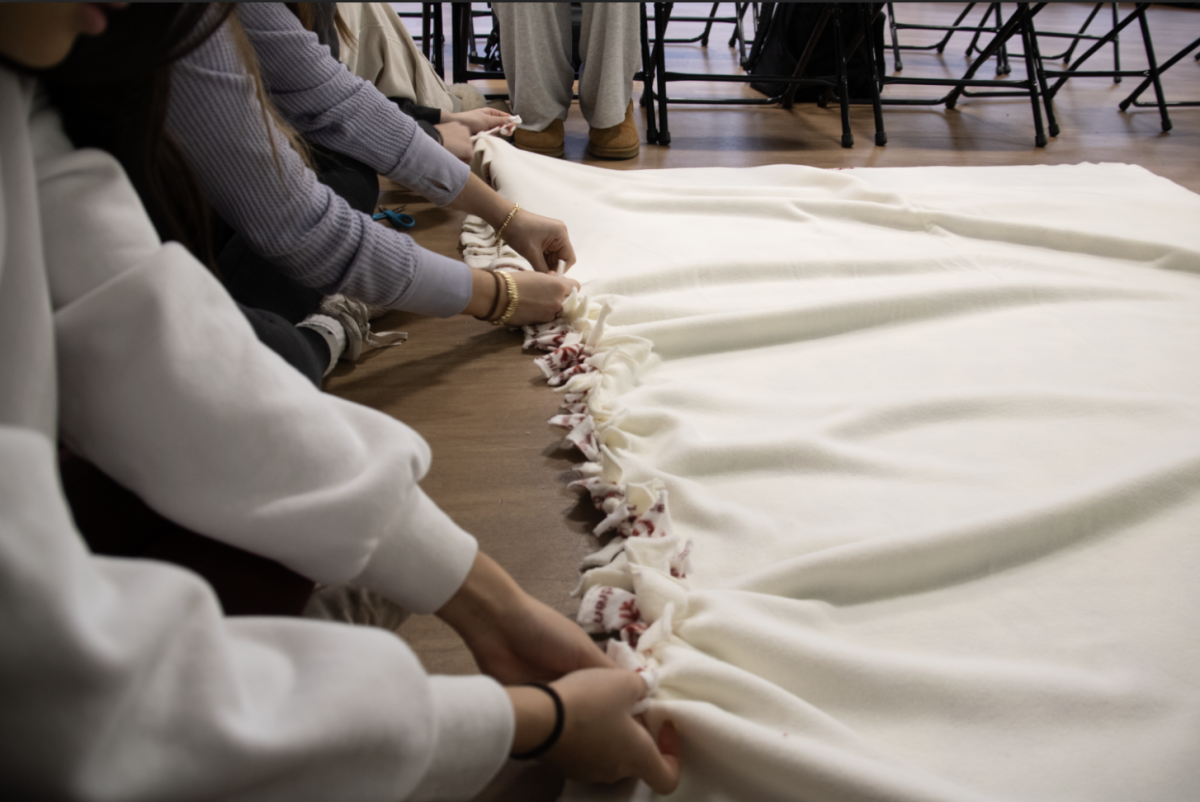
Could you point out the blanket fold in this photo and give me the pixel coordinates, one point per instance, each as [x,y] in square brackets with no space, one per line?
[900,469]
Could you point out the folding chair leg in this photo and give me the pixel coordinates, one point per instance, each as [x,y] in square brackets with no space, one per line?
[708,26]
[1002,65]
[1001,36]
[648,81]
[1166,65]
[1066,56]
[734,38]
[839,54]
[1030,36]
[426,47]
[941,46]
[876,76]
[1111,36]
[1116,43]
[458,53]
[739,32]
[1154,72]
[662,13]
[972,46]
[438,44]
[898,65]
[789,97]
[1029,46]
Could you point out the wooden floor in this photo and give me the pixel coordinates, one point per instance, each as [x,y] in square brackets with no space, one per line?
[471,391]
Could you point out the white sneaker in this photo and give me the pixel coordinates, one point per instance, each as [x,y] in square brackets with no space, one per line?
[355,317]
[348,604]
[332,331]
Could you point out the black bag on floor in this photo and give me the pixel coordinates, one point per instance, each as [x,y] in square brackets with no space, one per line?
[780,42]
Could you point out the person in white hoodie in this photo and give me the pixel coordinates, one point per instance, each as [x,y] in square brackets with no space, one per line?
[121,678]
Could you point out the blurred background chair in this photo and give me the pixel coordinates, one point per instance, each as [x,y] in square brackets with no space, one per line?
[1132,100]
[1019,24]
[776,28]
[431,39]
[1151,74]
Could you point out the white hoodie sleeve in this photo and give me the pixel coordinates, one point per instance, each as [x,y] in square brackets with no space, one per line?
[120,679]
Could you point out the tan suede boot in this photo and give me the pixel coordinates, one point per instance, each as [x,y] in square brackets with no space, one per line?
[618,142]
[548,142]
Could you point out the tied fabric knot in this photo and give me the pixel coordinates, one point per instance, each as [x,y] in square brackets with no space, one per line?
[504,129]
[580,351]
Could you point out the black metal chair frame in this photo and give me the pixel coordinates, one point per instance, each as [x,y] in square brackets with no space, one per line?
[1020,23]
[1072,71]
[433,42]
[955,27]
[1166,65]
[1083,35]
[738,37]
[463,51]
[1003,66]
[657,76]
[1032,86]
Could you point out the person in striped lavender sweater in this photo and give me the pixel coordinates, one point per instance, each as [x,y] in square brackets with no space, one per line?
[300,234]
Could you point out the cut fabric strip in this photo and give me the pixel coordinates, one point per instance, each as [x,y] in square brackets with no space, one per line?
[578,352]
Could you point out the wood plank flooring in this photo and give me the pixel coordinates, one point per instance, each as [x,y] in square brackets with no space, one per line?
[472,393]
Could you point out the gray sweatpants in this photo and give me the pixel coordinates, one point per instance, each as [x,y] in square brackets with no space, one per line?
[535,44]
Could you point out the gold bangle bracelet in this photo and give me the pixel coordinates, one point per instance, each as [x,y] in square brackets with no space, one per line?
[512,299]
[507,220]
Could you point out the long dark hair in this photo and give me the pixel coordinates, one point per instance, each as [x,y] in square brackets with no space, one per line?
[112,93]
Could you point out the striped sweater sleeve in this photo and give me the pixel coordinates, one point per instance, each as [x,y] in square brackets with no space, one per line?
[269,196]
[335,108]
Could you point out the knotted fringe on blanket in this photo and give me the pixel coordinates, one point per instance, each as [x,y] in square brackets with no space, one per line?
[592,367]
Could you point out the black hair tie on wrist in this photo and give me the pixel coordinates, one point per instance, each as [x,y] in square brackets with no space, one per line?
[560,716]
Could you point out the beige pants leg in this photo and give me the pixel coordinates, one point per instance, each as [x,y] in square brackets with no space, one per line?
[535,44]
[610,47]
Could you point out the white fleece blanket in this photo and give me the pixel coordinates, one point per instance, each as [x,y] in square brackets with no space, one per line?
[904,466]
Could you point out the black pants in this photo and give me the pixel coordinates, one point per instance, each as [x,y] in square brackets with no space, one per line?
[117,523]
[273,302]
[303,349]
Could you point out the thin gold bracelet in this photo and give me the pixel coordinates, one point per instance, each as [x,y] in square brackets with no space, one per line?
[512,299]
[507,220]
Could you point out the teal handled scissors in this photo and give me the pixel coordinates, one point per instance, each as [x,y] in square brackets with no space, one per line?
[397,219]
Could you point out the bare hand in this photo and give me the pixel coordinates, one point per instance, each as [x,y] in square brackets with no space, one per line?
[540,297]
[602,741]
[541,240]
[478,119]
[514,637]
[456,138]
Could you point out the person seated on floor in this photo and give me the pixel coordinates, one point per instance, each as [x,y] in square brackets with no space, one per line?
[373,43]
[280,229]
[294,236]
[371,40]
[121,678]
[535,46]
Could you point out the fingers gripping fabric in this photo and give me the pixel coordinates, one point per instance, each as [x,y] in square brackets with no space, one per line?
[591,370]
